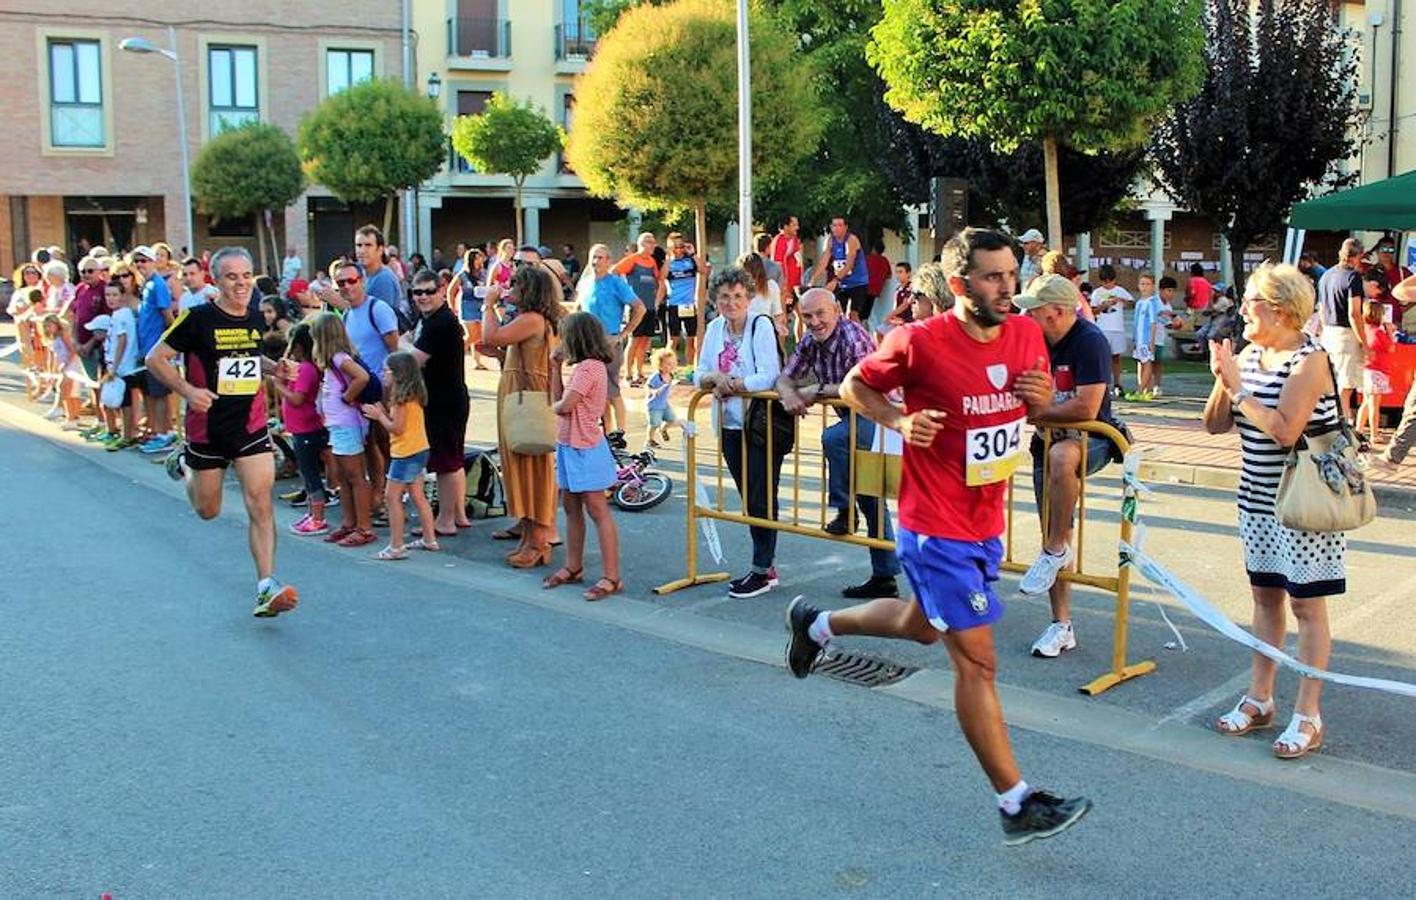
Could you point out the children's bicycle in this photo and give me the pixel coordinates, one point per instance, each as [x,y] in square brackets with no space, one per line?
[636,488]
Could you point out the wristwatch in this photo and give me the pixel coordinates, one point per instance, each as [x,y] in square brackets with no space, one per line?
[1239,396]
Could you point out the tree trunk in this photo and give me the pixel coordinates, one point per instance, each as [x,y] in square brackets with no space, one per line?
[388,216]
[1054,199]
[520,226]
[260,241]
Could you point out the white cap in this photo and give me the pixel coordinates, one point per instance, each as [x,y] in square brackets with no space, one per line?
[144,251]
[1032,234]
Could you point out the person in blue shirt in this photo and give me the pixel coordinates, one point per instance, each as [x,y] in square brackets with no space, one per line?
[849,278]
[683,283]
[154,315]
[379,280]
[373,330]
[1148,338]
[610,296]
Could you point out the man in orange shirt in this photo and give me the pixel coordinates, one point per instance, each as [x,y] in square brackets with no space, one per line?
[646,279]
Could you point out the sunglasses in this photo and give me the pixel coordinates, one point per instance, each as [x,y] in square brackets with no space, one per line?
[125,274]
[345,282]
[88,271]
[424,292]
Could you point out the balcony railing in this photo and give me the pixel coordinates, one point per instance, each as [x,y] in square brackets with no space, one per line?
[574,40]
[457,164]
[479,38]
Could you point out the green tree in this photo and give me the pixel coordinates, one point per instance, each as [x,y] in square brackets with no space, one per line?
[248,171]
[372,140]
[508,138]
[656,114]
[1090,74]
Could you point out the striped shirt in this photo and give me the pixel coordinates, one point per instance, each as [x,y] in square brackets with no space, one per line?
[1261,457]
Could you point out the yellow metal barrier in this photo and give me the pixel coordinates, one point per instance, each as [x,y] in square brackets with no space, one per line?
[877,474]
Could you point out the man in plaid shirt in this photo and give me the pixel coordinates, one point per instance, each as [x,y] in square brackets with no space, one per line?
[830,348]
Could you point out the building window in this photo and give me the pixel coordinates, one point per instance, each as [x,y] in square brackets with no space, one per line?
[75,94]
[575,36]
[234,89]
[469,103]
[344,68]
[567,120]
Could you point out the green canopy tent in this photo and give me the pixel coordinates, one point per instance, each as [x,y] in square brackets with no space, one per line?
[1386,205]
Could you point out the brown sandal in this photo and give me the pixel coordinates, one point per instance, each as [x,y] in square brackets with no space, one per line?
[563,575]
[530,557]
[599,593]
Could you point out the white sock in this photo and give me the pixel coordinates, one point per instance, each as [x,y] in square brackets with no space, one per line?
[820,629]
[1011,800]
[265,584]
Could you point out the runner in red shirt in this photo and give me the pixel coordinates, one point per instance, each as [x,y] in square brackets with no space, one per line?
[785,251]
[970,381]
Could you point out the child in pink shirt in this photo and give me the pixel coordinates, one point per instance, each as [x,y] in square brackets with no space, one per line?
[297,381]
[584,466]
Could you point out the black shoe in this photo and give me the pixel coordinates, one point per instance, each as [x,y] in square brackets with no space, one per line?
[616,440]
[753,584]
[839,525]
[802,651]
[876,587]
[379,518]
[1042,816]
[294,498]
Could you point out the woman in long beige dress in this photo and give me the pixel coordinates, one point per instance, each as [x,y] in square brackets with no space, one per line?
[528,337]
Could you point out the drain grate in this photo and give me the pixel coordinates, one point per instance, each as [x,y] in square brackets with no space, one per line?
[857,668]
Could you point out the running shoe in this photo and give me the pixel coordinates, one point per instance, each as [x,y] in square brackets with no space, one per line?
[176,465]
[119,443]
[379,518]
[296,497]
[1042,574]
[753,584]
[1042,816]
[54,413]
[274,600]
[802,651]
[309,526]
[159,444]
[1054,640]
[92,431]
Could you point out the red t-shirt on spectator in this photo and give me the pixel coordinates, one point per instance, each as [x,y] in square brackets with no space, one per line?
[955,488]
[1200,292]
[1379,350]
[877,272]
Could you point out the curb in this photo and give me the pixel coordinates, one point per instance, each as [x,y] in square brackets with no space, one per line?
[1389,496]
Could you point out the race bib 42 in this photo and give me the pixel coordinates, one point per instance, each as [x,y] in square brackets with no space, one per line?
[238,376]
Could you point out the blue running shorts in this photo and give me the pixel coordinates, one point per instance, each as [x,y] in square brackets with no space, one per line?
[952,580]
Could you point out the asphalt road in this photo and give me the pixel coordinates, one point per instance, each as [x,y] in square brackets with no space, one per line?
[415,731]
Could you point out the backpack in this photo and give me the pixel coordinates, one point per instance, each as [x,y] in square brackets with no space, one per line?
[372,391]
[405,324]
[485,499]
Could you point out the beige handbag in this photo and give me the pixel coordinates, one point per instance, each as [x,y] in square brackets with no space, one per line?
[1322,488]
[528,424]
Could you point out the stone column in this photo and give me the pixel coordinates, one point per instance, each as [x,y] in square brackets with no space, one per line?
[1158,216]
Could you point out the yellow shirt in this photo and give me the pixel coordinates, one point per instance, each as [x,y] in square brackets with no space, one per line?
[414,439]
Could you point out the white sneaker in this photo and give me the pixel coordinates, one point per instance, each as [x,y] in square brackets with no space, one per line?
[1155,392]
[1054,640]
[1042,574]
[53,414]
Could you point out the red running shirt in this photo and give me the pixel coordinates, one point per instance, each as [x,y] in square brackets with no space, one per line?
[954,488]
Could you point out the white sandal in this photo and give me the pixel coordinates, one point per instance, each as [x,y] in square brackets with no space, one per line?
[1237,722]
[1302,742]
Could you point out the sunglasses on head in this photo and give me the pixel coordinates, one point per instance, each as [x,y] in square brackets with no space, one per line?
[424,292]
[345,282]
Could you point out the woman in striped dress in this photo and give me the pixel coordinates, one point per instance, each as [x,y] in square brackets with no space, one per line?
[1278,387]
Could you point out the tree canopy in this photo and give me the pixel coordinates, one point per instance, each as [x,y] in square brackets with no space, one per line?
[508,138]
[656,112]
[372,140]
[246,171]
[1275,113]
[1090,74]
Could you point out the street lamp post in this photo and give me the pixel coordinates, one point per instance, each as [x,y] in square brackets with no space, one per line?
[143,45]
[744,131]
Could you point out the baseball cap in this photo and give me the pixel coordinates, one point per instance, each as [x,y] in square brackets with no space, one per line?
[1032,234]
[100,323]
[1046,289]
[297,287]
[144,251]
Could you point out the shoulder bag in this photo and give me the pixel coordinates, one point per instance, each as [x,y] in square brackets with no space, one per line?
[783,423]
[527,422]
[1322,488]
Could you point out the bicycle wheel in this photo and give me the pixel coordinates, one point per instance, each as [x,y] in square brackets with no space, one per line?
[653,489]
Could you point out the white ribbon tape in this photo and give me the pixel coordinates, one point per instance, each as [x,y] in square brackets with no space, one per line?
[709,526]
[1206,612]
